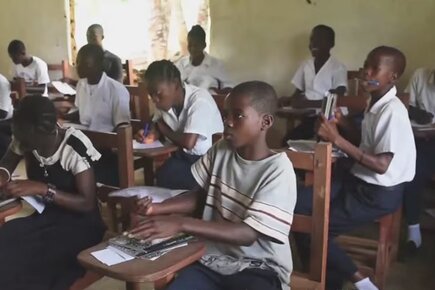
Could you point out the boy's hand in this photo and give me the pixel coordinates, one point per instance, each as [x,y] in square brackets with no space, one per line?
[155,227]
[25,187]
[144,206]
[327,130]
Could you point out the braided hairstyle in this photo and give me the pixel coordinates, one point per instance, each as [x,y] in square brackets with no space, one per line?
[162,71]
[34,113]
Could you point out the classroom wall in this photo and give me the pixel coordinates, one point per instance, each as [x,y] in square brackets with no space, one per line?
[267,39]
[41,24]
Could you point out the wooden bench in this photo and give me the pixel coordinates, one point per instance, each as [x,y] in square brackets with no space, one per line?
[129,75]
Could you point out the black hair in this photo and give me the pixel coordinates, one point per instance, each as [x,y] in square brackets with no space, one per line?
[197,32]
[97,28]
[327,31]
[399,59]
[93,51]
[162,71]
[263,96]
[36,111]
[16,46]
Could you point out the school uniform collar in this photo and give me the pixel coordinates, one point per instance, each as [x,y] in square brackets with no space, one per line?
[188,90]
[102,80]
[390,95]
[325,65]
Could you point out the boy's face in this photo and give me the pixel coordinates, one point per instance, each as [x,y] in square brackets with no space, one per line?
[94,37]
[242,123]
[163,94]
[86,66]
[195,47]
[319,43]
[17,58]
[378,72]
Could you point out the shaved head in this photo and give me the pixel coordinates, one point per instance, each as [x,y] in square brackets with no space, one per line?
[95,34]
[392,57]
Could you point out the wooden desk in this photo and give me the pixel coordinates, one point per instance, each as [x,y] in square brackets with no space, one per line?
[424,132]
[149,157]
[138,271]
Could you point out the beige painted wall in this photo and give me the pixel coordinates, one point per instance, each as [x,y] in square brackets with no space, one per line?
[267,39]
[41,24]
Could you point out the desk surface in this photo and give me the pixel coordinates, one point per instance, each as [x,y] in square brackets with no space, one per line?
[150,153]
[139,270]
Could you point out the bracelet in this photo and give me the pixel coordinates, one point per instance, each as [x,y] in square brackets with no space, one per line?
[7,172]
[49,195]
[362,157]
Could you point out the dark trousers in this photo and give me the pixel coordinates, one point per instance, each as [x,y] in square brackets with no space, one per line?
[425,167]
[175,173]
[199,277]
[353,204]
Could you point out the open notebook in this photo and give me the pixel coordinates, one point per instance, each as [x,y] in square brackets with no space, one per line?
[308,146]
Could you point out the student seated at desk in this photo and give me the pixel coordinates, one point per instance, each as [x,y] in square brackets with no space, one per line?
[384,162]
[112,63]
[201,69]
[39,252]
[32,69]
[421,110]
[102,105]
[6,110]
[186,115]
[246,196]
[314,78]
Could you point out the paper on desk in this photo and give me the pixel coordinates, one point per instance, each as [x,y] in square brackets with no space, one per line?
[308,146]
[155,144]
[158,194]
[158,254]
[63,88]
[36,202]
[111,256]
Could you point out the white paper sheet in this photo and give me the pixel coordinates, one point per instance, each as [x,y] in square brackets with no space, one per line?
[111,256]
[158,194]
[63,88]
[155,144]
[308,146]
[36,202]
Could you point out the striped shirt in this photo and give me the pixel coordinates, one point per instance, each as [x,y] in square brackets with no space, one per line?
[261,194]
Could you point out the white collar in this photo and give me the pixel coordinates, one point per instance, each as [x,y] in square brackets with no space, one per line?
[390,95]
[187,93]
[101,81]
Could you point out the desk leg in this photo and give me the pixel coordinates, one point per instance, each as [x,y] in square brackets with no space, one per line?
[148,171]
[162,283]
[132,286]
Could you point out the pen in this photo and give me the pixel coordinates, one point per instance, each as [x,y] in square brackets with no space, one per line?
[146,129]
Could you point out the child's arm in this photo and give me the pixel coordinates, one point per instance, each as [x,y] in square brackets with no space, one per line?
[82,201]
[9,162]
[376,162]
[222,231]
[185,140]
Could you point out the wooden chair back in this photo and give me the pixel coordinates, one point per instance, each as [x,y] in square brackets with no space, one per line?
[129,75]
[353,82]
[317,224]
[121,142]
[59,67]
[220,100]
[18,90]
[139,102]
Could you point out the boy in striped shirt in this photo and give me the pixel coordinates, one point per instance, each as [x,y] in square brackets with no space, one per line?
[246,195]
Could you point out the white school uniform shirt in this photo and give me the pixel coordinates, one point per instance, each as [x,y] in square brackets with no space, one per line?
[5,97]
[331,75]
[386,128]
[421,90]
[209,74]
[200,115]
[36,71]
[102,106]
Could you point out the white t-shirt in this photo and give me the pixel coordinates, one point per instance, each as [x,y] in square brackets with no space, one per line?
[210,73]
[386,128]
[200,115]
[261,194]
[36,71]
[331,75]
[421,90]
[103,106]
[5,97]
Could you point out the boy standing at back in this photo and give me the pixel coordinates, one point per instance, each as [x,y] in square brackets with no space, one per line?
[32,69]
[246,195]
[384,156]
[315,77]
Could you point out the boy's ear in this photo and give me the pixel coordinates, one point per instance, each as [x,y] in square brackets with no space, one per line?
[394,77]
[267,122]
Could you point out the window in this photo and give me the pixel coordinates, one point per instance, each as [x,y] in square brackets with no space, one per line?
[144,30]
